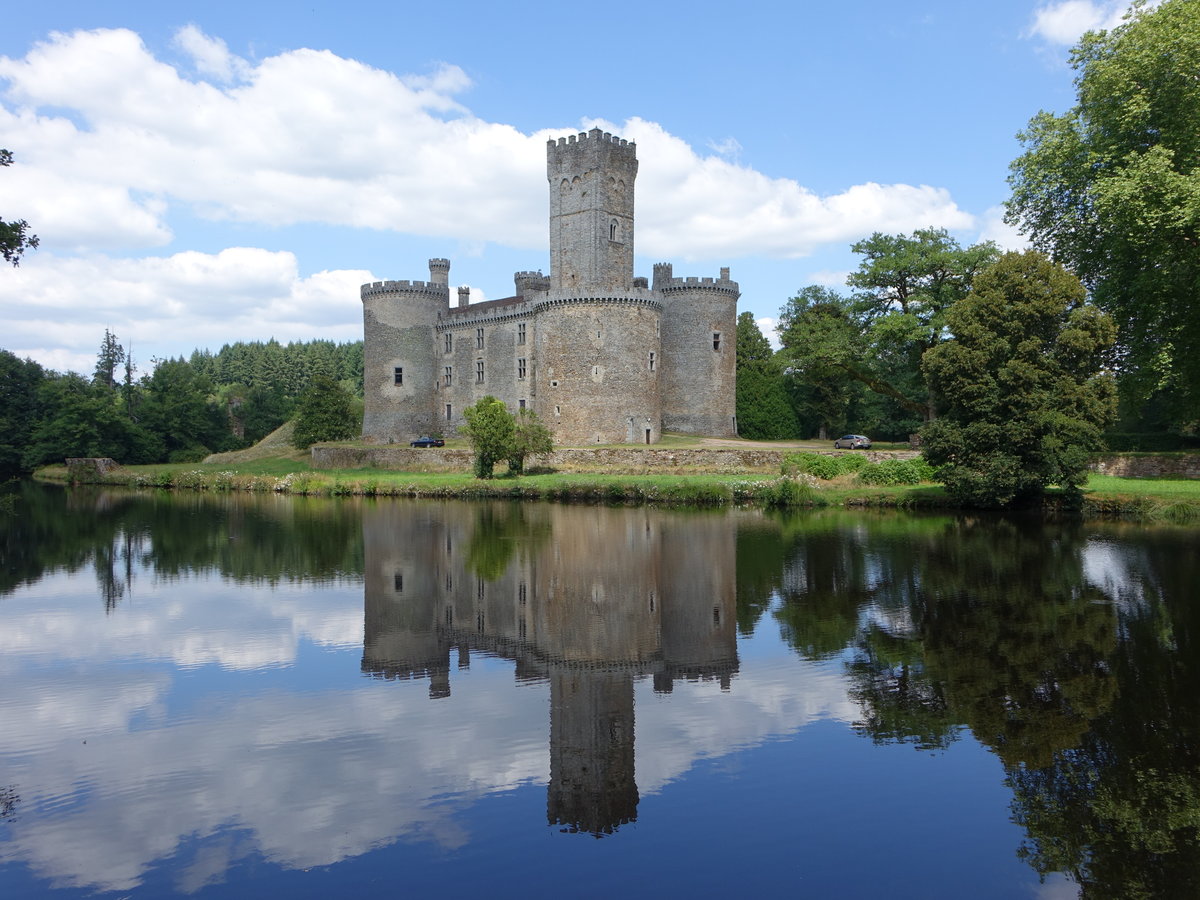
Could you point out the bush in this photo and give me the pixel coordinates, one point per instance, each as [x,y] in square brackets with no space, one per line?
[897,471]
[822,465]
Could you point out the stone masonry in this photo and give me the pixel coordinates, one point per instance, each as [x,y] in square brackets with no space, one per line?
[600,355]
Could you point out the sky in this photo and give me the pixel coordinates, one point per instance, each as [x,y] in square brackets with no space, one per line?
[200,174]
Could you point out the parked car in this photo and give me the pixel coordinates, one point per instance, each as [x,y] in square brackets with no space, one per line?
[852,442]
[426,441]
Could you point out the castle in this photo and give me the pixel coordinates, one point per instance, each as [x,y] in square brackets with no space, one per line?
[599,355]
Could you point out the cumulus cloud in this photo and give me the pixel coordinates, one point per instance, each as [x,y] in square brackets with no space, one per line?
[241,293]
[308,136]
[996,229]
[1065,22]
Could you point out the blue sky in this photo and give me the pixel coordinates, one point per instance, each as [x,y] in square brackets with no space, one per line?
[206,173]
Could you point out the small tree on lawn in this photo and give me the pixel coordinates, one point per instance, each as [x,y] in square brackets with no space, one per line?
[1022,382]
[530,438]
[491,428]
[325,413]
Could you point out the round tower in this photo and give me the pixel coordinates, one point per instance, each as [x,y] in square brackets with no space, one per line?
[598,367]
[699,341]
[591,179]
[399,384]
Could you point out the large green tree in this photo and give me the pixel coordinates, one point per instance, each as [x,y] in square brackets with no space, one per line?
[1111,189]
[325,413]
[15,236]
[530,437]
[904,286]
[1023,384]
[764,409]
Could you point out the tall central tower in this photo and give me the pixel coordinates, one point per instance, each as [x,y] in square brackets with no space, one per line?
[591,211]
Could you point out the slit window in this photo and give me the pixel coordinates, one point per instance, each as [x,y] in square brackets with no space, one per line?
[716,340]
[651,360]
[398,375]
[448,412]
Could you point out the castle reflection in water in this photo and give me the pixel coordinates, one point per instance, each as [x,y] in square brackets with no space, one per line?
[582,598]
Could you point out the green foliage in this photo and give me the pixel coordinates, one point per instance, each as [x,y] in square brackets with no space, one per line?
[176,408]
[325,413]
[825,466]
[763,406]
[108,360]
[1111,189]
[839,346]
[1149,442]
[1025,397]
[530,438]
[20,381]
[896,471]
[15,237]
[491,428]
[82,419]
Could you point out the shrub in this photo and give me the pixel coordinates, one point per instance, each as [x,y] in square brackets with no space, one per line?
[896,471]
[822,465]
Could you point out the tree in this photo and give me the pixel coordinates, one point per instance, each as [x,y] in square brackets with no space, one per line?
[1111,189]
[877,337]
[325,412]
[15,237]
[108,360]
[20,409]
[82,419]
[176,408]
[764,409]
[491,428]
[530,438]
[1023,384]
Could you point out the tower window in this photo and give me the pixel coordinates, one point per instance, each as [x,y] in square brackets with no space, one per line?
[447,412]
[521,367]
[398,374]
[479,371]
[651,360]
[716,340]
[478,338]
[449,343]
[449,375]
[522,402]
[612,230]
[520,332]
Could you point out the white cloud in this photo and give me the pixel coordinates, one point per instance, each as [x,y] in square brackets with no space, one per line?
[1066,21]
[307,136]
[833,278]
[769,326]
[996,229]
[206,300]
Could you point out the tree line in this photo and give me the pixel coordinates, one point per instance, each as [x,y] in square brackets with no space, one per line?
[181,411]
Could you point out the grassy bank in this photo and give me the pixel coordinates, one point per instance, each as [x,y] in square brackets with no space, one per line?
[1106,496]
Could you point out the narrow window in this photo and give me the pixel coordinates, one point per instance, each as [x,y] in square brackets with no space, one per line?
[558,410]
[478,338]
[651,360]
[521,367]
[716,340]
[522,404]
[520,332]
[449,375]
[449,342]
[479,371]
[398,374]
[447,412]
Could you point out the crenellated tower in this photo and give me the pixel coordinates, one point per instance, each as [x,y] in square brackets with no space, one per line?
[591,211]
[399,380]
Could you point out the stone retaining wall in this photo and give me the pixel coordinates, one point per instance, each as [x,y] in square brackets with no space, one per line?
[1184,466]
[575,459]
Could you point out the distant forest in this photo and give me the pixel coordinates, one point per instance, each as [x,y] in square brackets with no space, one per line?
[180,411]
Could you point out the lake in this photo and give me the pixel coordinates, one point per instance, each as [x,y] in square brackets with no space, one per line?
[236,695]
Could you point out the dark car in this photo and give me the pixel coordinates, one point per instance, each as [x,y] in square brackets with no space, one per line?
[425,441]
[853,442]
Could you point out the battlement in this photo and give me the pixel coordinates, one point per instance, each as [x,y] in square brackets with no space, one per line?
[588,142]
[404,287]
[665,280]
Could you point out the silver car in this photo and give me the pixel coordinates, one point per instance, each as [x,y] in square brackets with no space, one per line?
[852,442]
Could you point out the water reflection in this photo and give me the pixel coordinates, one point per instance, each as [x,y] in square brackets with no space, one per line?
[182,682]
[537,584]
